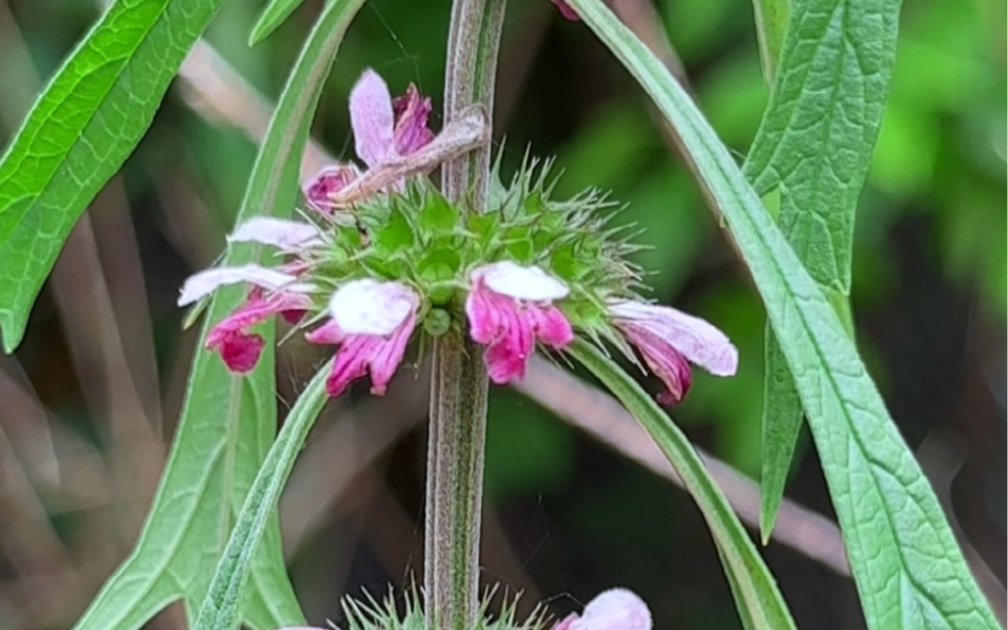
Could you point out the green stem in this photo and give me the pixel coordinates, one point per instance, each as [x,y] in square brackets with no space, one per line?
[457,434]
[470,78]
[454,483]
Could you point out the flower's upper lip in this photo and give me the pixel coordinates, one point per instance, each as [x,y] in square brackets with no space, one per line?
[369,307]
[204,283]
[522,283]
[695,338]
[282,233]
[372,118]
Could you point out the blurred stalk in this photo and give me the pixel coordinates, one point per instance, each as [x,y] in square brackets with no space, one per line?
[457,434]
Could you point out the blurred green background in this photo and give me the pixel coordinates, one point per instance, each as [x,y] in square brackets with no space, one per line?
[567,517]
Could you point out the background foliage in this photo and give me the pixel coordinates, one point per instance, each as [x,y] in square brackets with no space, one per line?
[929,279]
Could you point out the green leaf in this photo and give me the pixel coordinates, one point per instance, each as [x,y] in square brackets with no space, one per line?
[748,622]
[814,147]
[227,422]
[771,25]
[759,601]
[221,610]
[907,565]
[272,17]
[79,132]
[181,538]
[781,424]
[816,139]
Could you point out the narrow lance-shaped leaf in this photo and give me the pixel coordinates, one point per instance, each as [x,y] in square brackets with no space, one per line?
[757,596]
[816,139]
[780,426]
[748,622]
[207,474]
[771,25]
[907,565]
[815,145]
[781,420]
[79,132]
[271,17]
[221,609]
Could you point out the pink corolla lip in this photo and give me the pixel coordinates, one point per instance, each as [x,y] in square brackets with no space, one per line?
[372,322]
[385,129]
[239,348]
[327,182]
[566,10]
[509,308]
[372,118]
[274,291]
[410,132]
[669,340]
[615,609]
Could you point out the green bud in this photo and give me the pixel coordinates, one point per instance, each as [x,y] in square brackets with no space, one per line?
[437,322]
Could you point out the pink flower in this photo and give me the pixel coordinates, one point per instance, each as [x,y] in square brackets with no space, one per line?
[509,307]
[615,609]
[669,340]
[274,291]
[566,10]
[330,180]
[239,348]
[411,111]
[372,321]
[384,130]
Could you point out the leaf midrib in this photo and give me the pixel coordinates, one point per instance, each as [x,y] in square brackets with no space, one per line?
[19,285]
[732,185]
[162,567]
[849,421]
[779,176]
[79,138]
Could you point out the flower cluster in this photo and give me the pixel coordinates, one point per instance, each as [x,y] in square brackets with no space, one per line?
[381,255]
[615,609]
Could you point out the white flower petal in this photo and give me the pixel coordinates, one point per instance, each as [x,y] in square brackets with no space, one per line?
[615,609]
[206,282]
[521,283]
[372,118]
[276,232]
[368,307]
[696,339]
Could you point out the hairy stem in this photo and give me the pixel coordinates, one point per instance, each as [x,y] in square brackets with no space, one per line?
[470,78]
[454,483]
[457,433]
